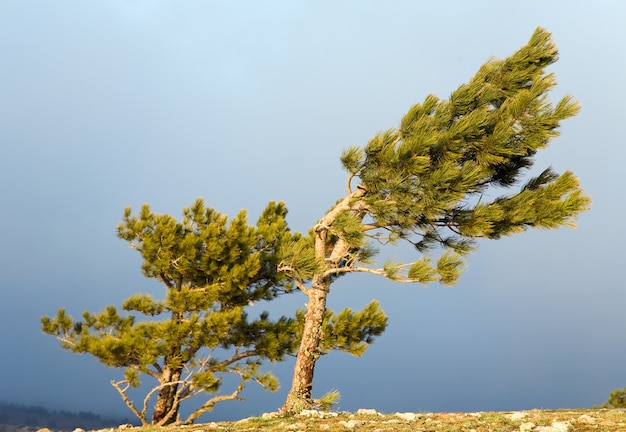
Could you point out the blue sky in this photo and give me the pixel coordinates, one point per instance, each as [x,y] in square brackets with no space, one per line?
[106,104]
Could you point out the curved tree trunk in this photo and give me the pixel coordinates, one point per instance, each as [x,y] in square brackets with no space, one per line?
[299,396]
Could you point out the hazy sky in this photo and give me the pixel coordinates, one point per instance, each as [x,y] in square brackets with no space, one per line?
[105,104]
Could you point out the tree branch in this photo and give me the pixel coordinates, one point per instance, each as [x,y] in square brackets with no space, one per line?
[344,205]
[208,406]
[349,184]
[291,271]
[238,357]
[378,272]
[127,401]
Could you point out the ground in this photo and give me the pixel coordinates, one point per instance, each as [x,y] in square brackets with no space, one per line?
[369,420]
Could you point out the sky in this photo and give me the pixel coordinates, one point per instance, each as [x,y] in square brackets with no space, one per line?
[108,104]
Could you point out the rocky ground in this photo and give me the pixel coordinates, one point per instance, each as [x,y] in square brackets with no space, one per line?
[370,420]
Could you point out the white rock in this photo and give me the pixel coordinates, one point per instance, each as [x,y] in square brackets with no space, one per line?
[517,416]
[79,430]
[367,411]
[525,427]
[587,419]
[407,416]
[310,413]
[351,424]
[556,427]
[271,415]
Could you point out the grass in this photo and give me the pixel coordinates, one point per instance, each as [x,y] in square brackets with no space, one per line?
[596,420]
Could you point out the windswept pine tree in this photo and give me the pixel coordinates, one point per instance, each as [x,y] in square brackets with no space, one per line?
[199,332]
[441,180]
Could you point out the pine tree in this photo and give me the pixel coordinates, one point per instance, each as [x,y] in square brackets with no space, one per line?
[431,182]
[199,332]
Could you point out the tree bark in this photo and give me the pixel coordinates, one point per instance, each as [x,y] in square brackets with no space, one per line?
[166,407]
[299,397]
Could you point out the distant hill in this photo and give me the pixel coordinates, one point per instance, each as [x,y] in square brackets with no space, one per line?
[13,416]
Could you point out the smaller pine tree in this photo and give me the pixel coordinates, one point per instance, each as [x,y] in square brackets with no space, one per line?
[199,332]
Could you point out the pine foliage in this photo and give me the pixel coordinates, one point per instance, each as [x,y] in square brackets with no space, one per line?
[349,331]
[617,399]
[211,271]
[434,181]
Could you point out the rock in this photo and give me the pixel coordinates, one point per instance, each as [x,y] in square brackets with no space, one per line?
[271,415]
[125,426]
[517,416]
[525,427]
[318,414]
[366,411]
[298,426]
[556,427]
[587,419]
[407,416]
[79,430]
[351,424]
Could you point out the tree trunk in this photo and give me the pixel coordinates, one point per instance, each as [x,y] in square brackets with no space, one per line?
[299,397]
[166,406]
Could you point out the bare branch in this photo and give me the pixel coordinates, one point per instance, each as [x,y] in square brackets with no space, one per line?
[208,406]
[370,227]
[158,369]
[344,205]
[165,280]
[127,401]
[348,184]
[378,272]
[291,271]
[237,357]
[175,261]
[65,339]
